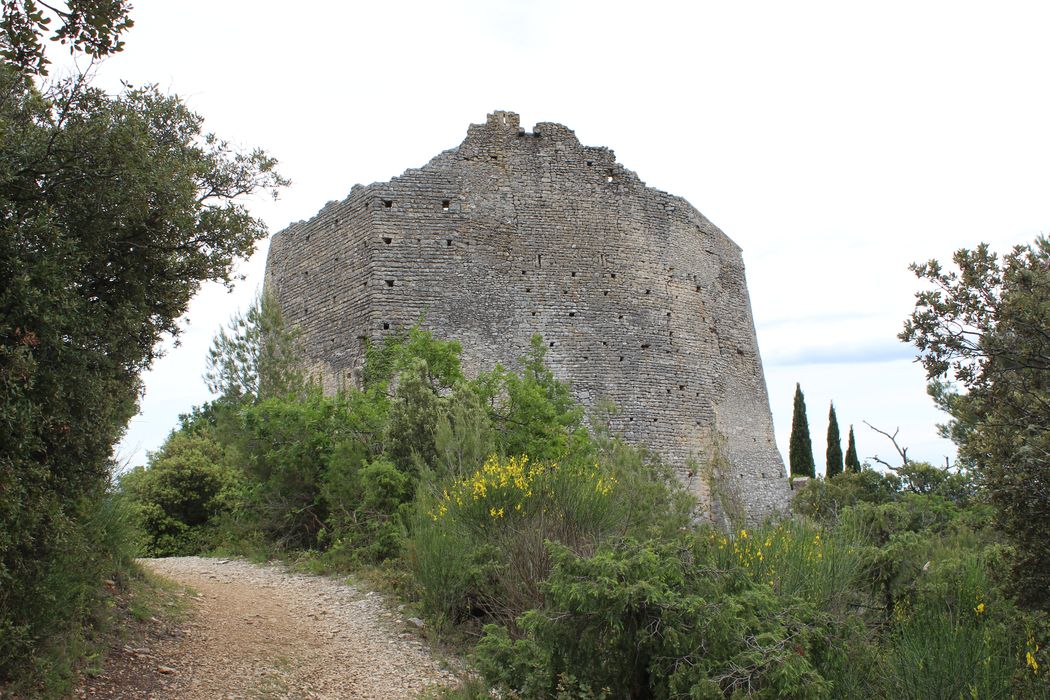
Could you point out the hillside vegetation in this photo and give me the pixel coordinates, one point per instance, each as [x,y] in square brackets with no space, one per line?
[568,560]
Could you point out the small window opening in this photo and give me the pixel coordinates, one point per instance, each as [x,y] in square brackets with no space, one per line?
[571,314]
[645,346]
[445,204]
[590,163]
[494,157]
[533,313]
[654,420]
[552,343]
[388,240]
[631,419]
[574,274]
[621,358]
[528,289]
[698,287]
[605,342]
[539,261]
[608,178]
[681,387]
[668,314]
[448,242]
[648,291]
[388,203]
[605,293]
[565,291]
[621,317]
[390,283]
[613,275]
[386,326]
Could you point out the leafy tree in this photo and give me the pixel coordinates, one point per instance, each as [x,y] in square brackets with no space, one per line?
[834,451]
[179,497]
[113,211]
[852,461]
[800,449]
[534,413]
[987,327]
[257,357]
[90,26]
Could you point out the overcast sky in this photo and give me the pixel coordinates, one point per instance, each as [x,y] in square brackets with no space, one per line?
[834,142]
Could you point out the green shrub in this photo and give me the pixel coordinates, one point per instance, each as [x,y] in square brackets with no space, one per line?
[647,620]
[797,559]
[180,497]
[495,524]
[825,499]
[94,540]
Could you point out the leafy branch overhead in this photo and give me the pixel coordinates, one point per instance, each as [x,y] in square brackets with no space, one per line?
[92,27]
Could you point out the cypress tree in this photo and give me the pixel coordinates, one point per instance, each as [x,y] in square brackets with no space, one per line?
[800,451]
[852,463]
[834,453]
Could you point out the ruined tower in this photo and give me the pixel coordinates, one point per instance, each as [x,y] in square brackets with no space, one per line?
[639,297]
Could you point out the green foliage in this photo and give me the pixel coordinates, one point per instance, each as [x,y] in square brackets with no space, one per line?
[288,445]
[800,449]
[986,327]
[833,455]
[534,413]
[113,211]
[50,616]
[180,497]
[258,357]
[852,462]
[651,621]
[93,27]
[824,500]
[483,536]
[899,599]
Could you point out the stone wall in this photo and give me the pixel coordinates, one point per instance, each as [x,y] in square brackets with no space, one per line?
[639,297]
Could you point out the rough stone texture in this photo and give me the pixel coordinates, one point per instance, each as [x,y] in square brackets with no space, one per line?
[640,298]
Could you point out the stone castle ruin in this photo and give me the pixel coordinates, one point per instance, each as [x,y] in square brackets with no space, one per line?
[640,299]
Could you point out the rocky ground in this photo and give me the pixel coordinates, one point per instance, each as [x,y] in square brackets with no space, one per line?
[262,632]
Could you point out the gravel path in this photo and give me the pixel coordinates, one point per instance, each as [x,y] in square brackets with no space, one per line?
[262,632]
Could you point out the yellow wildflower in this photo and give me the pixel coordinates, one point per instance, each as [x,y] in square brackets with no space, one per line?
[1032,663]
[979,610]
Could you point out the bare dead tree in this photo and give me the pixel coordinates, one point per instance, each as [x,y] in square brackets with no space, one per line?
[902,451]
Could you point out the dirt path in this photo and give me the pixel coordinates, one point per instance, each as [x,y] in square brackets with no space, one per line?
[261,632]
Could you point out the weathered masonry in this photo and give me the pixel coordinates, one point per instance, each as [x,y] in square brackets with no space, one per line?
[639,297]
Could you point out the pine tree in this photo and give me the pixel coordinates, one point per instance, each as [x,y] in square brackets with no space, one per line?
[852,463]
[834,452]
[800,451]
